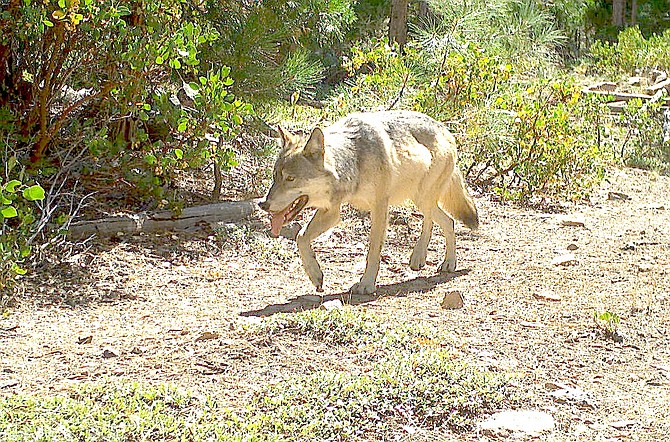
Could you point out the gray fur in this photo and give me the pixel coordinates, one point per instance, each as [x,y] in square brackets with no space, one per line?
[372,160]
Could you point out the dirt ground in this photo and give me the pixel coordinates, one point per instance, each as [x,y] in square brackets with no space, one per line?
[169,308]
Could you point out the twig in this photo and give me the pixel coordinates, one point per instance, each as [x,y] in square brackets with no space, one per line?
[400,94]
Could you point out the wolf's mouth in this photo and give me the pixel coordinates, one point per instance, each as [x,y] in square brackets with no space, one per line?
[283,217]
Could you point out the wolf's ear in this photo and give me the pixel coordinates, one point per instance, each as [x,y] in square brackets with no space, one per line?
[284,139]
[314,149]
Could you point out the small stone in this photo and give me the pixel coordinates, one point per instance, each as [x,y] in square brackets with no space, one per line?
[564,260]
[572,247]
[108,354]
[452,300]
[524,421]
[334,304]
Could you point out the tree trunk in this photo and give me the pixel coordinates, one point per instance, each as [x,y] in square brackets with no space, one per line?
[398,22]
[618,12]
[424,9]
[633,12]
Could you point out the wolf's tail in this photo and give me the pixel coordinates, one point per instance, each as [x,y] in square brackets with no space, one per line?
[459,203]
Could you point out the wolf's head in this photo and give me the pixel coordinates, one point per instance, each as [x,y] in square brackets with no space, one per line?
[300,178]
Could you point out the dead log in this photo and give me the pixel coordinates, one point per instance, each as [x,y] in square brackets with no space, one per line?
[665,84]
[623,96]
[190,219]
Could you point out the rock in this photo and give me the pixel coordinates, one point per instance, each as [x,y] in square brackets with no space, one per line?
[108,354]
[605,86]
[548,296]
[8,383]
[634,81]
[564,260]
[656,207]
[334,304]
[529,422]
[572,247]
[138,350]
[452,300]
[311,299]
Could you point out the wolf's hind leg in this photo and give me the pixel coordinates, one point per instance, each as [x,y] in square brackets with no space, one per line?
[322,220]
[447,225]
[417,260]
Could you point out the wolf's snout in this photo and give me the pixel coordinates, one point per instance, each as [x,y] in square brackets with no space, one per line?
[264,205]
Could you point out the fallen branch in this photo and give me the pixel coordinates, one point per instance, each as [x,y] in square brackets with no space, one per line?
[190,219]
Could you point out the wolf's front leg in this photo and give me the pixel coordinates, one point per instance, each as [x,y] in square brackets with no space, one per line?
[379,221]
[322,220]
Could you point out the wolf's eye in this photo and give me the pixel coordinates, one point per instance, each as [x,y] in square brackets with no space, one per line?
[289,178]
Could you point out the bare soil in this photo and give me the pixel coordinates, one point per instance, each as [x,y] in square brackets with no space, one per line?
[170,308]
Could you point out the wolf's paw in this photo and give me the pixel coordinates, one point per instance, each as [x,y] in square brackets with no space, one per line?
[418,260]
[315,274]
[362,289]
[448,266]
[317,280]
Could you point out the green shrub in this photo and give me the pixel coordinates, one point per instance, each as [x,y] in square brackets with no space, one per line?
[631,53]
[112,80]
[521,138]
[534,142]
[642,142]
[18,222]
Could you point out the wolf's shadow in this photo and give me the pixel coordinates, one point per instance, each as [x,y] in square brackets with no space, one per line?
[420,284]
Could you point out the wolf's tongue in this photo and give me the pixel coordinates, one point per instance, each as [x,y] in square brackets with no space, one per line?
[277,222]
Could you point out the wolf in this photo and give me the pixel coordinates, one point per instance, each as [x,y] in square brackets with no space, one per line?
[371,161]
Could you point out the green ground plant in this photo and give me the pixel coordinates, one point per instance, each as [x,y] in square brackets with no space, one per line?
[411,379]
